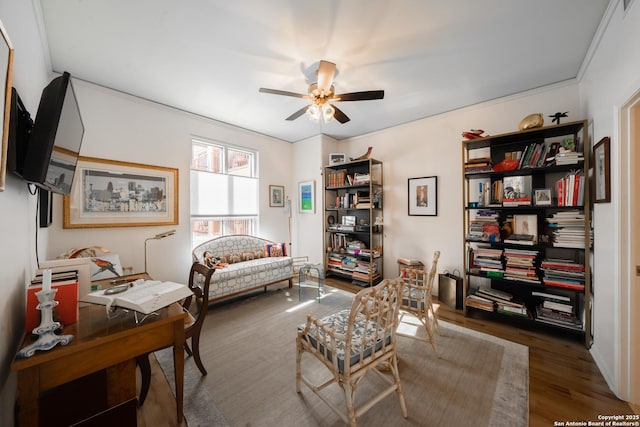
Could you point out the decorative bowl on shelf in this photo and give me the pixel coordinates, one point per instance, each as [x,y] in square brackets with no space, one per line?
[506,165]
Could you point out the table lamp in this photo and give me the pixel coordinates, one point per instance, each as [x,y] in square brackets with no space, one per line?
[156,237]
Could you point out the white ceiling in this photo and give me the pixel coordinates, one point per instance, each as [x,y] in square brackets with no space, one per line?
[210,57]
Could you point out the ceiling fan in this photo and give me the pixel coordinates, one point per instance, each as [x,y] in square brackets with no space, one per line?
[322,93]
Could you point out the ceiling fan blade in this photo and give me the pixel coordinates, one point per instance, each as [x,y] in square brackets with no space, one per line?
[298,113]
[359,96]
[339,115]
[326,72]
[282,92]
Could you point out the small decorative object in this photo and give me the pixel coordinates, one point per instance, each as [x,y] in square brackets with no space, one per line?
[473,134]
[364,156]
[602,174]
[276,196]
[337,158]
[506,165]
[532,121]
[331,219]
[423,196]
[47,339]
[542,197]
[557,116]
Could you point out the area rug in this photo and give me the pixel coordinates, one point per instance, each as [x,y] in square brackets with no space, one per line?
[248,347]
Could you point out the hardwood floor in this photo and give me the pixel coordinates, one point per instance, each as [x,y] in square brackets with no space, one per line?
[564,382]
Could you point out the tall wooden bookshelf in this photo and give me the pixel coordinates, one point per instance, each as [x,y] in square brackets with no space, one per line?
[527,228]
[353,242]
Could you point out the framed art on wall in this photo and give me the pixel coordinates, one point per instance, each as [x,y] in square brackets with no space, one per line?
[306,197]
[601,172]
[6,69]
[276,196]
[111,193]
[423,196]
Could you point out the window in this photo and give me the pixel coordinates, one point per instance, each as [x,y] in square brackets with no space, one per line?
[224,191]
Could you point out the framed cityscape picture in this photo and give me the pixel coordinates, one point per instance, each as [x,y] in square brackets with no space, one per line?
[111,193]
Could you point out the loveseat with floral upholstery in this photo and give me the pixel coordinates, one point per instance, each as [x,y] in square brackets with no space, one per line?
[243,263]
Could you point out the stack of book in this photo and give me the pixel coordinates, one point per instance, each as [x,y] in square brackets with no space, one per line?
[556,310]
[478,165]
[562,273]
[504,301]
[568,157]
[477,301]
[567,230]
[489,261]
[359,179]
[410,262]
[484,227]
[521,265]
[362,200]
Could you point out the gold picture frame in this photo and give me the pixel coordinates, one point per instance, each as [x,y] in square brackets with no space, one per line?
[276,196]
[112,193]
[6,69]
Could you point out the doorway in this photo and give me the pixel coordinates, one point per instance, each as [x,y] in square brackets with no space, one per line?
[629,320]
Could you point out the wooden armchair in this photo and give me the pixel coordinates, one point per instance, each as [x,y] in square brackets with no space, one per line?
[199,280]
[352,343]
[417,301]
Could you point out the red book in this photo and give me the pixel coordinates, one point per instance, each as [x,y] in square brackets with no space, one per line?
[66,312]
[565,285]
[560,192]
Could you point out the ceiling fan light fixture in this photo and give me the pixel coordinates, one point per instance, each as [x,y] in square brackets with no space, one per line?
[327,112]
[314,113]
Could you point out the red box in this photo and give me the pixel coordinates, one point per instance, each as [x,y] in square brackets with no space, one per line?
[66,312]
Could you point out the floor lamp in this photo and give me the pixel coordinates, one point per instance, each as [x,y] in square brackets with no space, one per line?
[156,237]
[287,207]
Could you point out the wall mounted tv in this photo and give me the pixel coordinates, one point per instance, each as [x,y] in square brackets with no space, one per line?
[47,153]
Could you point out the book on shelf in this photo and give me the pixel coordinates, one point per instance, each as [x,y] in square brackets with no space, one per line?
[517,190]
[482,303]
[550,296]
[143,296]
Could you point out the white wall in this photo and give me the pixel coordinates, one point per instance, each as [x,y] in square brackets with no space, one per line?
[609,80]
[125,128]
[432,147]
[17,207]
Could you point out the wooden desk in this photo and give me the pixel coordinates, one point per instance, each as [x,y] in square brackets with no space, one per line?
[100,344]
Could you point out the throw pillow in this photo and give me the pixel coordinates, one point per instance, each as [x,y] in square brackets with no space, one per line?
[105,266]
[275,249]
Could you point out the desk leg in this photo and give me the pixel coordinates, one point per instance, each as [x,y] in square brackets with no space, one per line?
[178,366]
[28,397]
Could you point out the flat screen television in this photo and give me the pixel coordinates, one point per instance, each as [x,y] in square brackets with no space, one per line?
[48,156]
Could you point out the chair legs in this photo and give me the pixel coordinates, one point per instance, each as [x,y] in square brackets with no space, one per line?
[195,343]
[426,323]
[145,375]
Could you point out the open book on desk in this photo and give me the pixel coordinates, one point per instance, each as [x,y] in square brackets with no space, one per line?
[143,296]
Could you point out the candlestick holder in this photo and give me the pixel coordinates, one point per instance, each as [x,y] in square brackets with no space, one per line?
[47,339]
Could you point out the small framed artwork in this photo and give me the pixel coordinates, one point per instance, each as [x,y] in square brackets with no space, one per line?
[601,172]
[306,197]
[542,197]
[111,193]
[336,158]
[423,196]
[276,196]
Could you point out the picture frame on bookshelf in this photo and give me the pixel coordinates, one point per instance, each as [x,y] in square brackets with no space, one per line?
[516,190]
[306,197]
[525,225]
[337,158]
[542,197]
[423,196]
[276,196]
[601,171]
